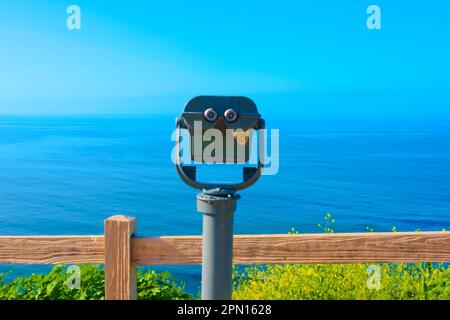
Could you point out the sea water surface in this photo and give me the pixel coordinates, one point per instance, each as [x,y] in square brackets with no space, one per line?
[65,175]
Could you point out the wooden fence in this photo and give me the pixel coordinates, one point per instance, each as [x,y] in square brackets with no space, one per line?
[121,251]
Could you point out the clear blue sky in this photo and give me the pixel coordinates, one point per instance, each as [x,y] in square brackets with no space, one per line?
[313,58]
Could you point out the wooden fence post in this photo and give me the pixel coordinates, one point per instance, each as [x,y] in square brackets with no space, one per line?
[120,273]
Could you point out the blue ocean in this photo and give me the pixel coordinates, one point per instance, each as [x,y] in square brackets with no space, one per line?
[65,175]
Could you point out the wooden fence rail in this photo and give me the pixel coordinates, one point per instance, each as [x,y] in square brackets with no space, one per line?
[121,251]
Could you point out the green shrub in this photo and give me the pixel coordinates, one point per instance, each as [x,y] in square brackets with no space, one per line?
[343,281]
[287,282]
[53,286]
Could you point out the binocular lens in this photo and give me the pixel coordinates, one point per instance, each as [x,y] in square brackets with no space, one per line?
[210,115]
[231,115]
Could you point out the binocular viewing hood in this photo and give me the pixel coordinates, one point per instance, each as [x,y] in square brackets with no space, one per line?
[232,119]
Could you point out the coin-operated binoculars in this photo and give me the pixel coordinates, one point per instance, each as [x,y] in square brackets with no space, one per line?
[234,122]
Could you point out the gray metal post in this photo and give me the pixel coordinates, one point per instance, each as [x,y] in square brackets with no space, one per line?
[217,258]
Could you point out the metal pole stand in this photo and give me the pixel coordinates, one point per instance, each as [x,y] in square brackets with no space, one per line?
[218,207]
